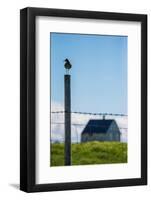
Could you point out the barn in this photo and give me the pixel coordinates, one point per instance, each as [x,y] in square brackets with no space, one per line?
[101,130]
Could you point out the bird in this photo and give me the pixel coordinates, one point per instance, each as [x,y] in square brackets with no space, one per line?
[67,64]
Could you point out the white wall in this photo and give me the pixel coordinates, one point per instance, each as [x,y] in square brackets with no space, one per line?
[9,98]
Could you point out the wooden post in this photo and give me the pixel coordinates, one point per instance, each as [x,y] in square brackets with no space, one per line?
[67,97]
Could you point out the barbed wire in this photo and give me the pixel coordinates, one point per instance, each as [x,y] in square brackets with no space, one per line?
[77,127]
[90,113]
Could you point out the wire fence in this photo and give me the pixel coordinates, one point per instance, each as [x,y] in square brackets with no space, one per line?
[90,113]
[79,120]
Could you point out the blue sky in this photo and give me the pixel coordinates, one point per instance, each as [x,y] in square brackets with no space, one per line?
[98,74]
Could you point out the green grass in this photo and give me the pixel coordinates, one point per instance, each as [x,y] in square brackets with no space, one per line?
[91,153]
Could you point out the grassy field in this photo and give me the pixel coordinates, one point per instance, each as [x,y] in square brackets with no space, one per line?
[90,153]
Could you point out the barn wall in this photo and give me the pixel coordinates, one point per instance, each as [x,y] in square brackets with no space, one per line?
[95,137]
[114,133]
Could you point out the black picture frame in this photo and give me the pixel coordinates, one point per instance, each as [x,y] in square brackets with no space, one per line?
[28,99]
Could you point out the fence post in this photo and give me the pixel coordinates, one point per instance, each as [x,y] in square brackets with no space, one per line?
[67,97]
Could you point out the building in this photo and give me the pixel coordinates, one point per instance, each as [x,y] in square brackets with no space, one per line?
[101,130]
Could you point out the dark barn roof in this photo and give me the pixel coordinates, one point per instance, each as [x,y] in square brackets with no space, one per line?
[97,126]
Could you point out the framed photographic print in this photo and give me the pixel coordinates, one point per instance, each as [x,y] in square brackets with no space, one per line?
[83,99]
